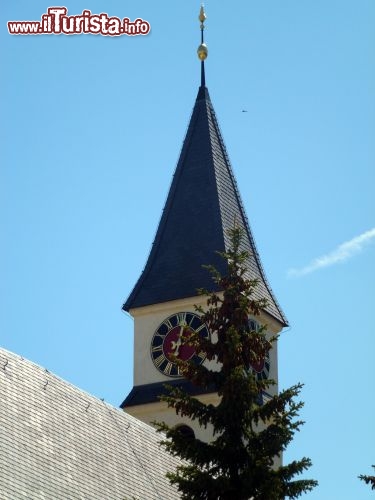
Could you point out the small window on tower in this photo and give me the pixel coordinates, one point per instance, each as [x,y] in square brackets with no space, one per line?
[253,325]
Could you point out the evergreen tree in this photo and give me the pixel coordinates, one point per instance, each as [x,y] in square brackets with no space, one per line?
[250,427]
[369,479]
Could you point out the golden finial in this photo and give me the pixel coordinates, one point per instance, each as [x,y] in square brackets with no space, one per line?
[202,49]
[202,15]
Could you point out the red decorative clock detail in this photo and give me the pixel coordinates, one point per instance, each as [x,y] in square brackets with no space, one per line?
[261,369]
[167,342]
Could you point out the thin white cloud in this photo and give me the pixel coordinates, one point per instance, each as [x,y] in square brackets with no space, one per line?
[342,253]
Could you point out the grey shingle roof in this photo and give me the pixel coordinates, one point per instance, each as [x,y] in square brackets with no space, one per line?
[59,443]
[202,204]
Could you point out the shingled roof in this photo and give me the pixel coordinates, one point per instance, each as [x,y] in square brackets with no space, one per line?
[60,443]
[202,205]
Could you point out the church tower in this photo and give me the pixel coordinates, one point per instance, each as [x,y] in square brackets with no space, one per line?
[202,205]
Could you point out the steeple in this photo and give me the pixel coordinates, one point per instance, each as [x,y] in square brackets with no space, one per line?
[202,205]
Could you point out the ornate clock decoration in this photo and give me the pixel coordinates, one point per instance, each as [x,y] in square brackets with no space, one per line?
[167,342]
[261,369]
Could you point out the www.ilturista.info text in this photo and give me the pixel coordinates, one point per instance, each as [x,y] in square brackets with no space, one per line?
[57,22]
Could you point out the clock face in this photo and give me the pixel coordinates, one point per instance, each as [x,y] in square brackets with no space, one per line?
[261,369]
[167,342]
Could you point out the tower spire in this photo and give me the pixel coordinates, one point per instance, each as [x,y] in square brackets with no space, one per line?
[202,49]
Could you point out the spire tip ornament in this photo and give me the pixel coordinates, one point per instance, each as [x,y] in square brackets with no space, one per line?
[202,15]
[202,49]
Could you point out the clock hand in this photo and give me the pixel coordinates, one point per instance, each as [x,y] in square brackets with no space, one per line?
[176,345]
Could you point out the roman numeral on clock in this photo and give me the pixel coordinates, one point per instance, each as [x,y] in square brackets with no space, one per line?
[168,324]
[168,368]
[158,348]
[181,318]
[159,360]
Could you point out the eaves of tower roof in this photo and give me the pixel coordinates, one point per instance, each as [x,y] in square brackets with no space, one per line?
[203,204]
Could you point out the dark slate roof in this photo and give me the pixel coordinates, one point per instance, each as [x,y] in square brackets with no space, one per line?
[150,393]
[58,442]
[202,204]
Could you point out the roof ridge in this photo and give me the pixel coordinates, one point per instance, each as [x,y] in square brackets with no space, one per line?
[160,227]
[247,225]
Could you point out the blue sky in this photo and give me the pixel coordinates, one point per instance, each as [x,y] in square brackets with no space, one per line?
[91,129]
